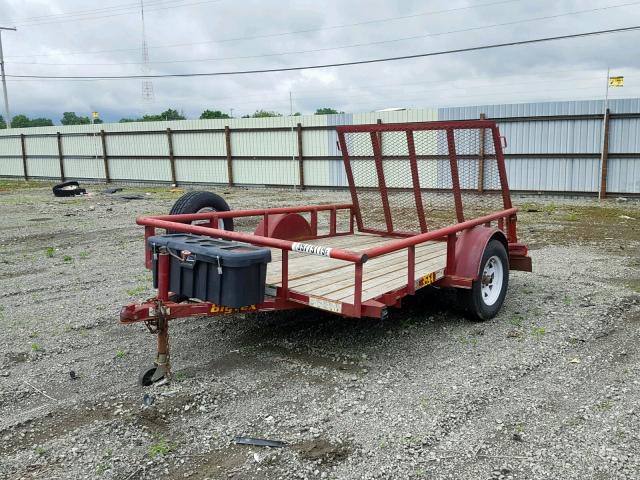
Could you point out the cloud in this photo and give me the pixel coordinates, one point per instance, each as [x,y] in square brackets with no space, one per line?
[570,69]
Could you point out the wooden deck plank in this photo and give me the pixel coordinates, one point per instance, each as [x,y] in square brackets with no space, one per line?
[333,279]
[304,264]
[390,282]
[371,268]
[382,270]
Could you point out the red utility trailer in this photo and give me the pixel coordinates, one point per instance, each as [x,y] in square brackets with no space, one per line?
[430,205]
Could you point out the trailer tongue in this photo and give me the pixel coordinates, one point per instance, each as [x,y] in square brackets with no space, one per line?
[430,206]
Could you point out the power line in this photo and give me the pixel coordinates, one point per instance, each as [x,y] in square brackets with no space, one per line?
[80,18]
[380,42]
[120,6]
[280,34]
[341,64]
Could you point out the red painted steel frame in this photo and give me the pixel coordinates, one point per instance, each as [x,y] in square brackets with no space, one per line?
[415,180]
[449,127]
[284,298]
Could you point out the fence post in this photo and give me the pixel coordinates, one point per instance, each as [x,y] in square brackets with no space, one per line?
[24,157]
[379,134]
[300,157]
[227,141]
[172,159]
[605,156]
[105,157]
[481,157]
[60,156]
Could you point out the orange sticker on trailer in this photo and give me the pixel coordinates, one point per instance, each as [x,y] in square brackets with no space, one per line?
[425,280]
[222,309]
[429,278]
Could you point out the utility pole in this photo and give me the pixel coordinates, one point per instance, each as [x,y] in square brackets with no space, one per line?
[4,81]
[293,139]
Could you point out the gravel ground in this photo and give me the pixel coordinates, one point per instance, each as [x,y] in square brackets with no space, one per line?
[548,389]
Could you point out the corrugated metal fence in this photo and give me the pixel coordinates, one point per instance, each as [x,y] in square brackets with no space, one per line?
[552,147]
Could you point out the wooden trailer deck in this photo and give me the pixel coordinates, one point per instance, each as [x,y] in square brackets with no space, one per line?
[333,280]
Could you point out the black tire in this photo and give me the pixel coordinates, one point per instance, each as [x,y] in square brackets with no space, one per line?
[193,202]
[483,304]
[145,379]
[68,189]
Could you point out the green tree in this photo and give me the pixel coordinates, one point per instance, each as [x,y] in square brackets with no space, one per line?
[70,118]
[20,121]
[326,111]
[168,114]
[263,114]
[41,122]
[3,124]
[212,114]
[127,120]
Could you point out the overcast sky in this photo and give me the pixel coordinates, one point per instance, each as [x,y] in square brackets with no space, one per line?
[80,37]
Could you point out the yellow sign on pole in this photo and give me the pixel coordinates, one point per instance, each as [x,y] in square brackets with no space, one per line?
[616,81]
[96,114]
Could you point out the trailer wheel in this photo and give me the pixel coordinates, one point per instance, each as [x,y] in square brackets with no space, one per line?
[148,376]
[486,296]
[201,202]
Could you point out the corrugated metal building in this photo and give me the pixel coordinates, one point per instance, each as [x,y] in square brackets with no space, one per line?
[552,146]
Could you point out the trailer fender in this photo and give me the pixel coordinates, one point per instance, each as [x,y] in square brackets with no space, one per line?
[285,226]
[470,247]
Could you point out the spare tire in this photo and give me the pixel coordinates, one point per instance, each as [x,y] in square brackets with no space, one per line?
[68,189]
[200,202]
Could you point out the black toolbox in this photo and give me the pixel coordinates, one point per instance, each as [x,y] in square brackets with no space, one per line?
[227,273]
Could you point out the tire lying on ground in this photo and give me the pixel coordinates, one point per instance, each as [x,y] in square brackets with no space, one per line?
[486,296]
[201,202]
[68,189]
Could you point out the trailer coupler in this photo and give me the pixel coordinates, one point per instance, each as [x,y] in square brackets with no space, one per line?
[155,314]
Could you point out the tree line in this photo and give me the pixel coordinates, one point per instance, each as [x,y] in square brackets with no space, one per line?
[71,118]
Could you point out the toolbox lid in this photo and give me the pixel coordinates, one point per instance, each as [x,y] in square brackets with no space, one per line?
[207,249]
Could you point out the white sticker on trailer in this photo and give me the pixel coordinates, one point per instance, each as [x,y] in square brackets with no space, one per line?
[323,304]
[312,249]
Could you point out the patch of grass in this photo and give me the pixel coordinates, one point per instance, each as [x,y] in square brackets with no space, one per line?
[179,376]
[137,290]
[120,354]
[40,451]
[604,405]
[538,332]
[473,341]
[13,185]
[567,300]
[36,347]
[102,467]
[34,334]
[67,259]
[516,320]
[571,217]
[83,255]
[50,252]
[160,448]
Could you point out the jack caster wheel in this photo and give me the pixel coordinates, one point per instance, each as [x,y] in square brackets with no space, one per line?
[149,376]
